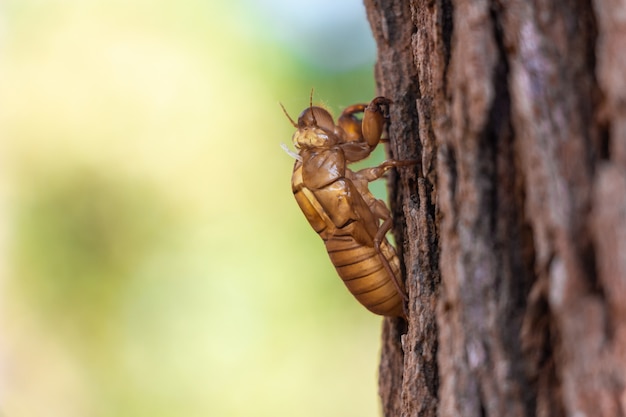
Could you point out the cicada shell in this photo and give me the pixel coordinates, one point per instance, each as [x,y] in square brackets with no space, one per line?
[339,206]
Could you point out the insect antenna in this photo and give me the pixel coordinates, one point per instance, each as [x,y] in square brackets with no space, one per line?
[311,107]
[294,124]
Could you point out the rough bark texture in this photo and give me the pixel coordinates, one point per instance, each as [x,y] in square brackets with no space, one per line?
[514,223]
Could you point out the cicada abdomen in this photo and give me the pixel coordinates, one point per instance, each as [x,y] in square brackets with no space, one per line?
[362,270]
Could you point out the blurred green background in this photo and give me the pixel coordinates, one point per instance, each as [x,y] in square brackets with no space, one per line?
[152,258]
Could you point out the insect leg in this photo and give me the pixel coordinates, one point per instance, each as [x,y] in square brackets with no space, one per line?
[371,174]
[350,125]
[380,236]
[381,212]
[375,117]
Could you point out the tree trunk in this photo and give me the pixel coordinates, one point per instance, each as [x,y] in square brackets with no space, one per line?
[513,226]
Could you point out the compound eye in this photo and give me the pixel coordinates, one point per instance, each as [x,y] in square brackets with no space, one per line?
[306,118]
[324,119]
[316,117]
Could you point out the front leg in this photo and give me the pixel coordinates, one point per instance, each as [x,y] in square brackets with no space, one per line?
[375,117]
[361,136]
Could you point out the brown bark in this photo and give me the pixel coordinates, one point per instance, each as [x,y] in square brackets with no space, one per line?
[514,223]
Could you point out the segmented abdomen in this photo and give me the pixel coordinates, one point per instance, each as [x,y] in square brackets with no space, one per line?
[362,270]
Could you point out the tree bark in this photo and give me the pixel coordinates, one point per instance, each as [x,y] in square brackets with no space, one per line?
[513,225]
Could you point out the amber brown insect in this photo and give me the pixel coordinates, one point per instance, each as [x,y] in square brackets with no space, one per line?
[339,205]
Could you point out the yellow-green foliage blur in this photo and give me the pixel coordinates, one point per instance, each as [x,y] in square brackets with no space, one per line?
[153,261]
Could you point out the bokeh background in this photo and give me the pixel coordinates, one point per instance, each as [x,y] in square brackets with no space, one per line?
[153,261]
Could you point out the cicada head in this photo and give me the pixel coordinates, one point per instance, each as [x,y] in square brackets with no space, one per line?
[315,129]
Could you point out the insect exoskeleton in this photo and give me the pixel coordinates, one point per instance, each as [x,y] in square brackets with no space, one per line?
[339,206]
